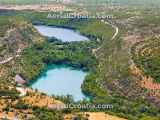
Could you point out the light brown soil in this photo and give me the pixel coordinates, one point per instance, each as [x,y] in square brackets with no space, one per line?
[52,7]
[95,116]
[146,81]
[102,116]
[39,100]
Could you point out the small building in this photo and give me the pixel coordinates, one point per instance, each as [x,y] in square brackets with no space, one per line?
[19,80]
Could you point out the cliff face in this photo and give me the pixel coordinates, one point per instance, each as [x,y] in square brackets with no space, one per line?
[20,35]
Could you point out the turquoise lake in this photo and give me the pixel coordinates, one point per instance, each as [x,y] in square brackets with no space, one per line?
[61,80]
[64,34]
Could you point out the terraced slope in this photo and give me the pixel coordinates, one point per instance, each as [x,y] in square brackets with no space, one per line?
[147,57]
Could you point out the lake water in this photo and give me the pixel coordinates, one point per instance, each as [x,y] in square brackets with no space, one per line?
[61,80]
[64,34]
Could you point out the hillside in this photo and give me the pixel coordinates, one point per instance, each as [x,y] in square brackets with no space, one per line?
[122,60]
[140,3]
[120,2]
[20,2]
[16,34]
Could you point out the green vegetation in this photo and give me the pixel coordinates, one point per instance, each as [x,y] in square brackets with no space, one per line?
[45,114]
[146,55]
[113,84]
[149,118]
[35,58]
[5,24]
[109,81]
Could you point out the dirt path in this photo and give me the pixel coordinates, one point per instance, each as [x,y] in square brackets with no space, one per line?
[6,60]
[113,37]
[116,33]
[22,91]
[11,58]
[115,27]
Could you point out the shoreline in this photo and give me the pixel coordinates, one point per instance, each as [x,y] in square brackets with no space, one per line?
[52,67]
[90,37]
